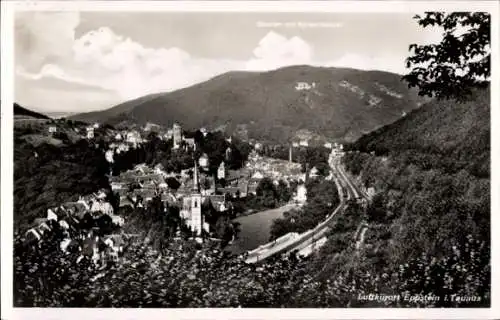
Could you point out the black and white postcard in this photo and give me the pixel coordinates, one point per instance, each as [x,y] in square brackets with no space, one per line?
[334,158]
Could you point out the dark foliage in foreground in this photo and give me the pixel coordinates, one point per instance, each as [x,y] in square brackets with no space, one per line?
[184,274]
[459,63]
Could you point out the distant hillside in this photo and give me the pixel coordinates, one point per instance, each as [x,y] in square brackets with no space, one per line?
[457,133]
[59,115]
[337,103]
[23,112]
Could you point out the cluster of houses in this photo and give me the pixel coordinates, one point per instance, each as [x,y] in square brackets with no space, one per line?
[140,185]
[137,187]
[276,169]
[70,222]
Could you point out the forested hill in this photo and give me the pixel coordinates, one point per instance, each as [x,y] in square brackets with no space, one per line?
[456,134]
[337,103]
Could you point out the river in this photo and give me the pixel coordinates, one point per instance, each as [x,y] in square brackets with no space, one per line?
[255,229]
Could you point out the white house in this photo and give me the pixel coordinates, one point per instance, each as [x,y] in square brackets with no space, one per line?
[163,185]
[100,195]
[189,141]
[116,186]
[52,129]
[314,172]
[122,147]
[328,145]
[64,244]
[109,156]
[133,137]
[115,242]
[370,192]
[104,207]
[304,143]
[203,161]
[169,135]
[257,175]
[64,224]
[90,133]
[51,215]
[119,221]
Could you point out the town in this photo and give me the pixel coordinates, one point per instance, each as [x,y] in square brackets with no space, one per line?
[92,227]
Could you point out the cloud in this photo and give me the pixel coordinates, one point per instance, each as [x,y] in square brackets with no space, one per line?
[43,38]
[48,71]
[133,70]
[114,62]
[275,51]
[49,94]
[126,66]
[47,48]
[101,57]
[370,62]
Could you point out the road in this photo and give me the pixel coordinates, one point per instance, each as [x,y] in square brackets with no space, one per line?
[307,240]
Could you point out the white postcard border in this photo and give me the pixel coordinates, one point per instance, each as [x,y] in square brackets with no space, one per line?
[7,71]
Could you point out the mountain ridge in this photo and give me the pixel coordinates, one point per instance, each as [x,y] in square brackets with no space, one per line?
[337,103]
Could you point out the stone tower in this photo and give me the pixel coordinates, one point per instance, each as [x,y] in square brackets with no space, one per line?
[177,135]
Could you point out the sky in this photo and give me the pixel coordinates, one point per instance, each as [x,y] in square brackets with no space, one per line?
[87,61]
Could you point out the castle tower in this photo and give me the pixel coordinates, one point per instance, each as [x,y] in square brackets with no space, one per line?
[177,135]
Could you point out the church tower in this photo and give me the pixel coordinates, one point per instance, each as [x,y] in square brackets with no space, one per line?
[196,200]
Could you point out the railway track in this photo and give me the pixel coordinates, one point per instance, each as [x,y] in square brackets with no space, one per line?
[346,191]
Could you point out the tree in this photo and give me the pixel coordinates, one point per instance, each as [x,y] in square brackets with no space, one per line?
[152,136]
[173,183]
[283,191]
[265,187]
[114,200]
[456,65]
